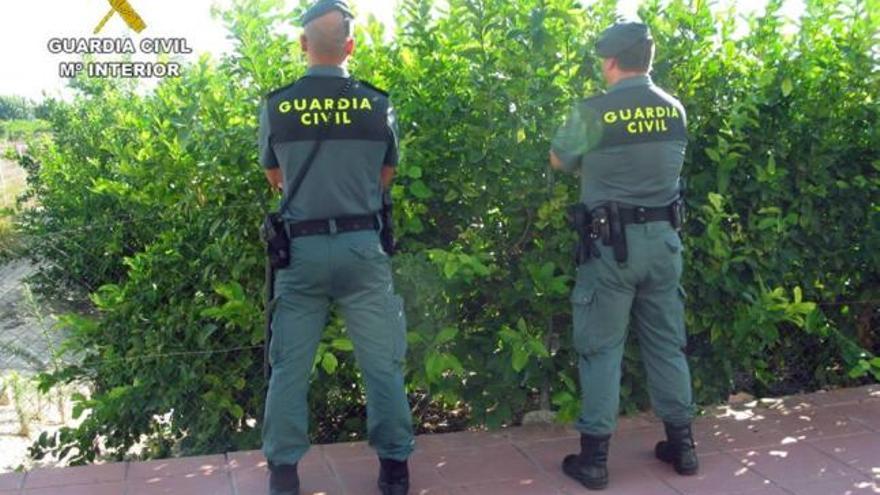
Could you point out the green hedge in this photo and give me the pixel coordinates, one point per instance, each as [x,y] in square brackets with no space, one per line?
[151,203]
[22,130]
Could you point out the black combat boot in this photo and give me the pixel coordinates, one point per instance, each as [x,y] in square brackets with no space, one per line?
[679,449]
[393,477]
[590,466]
[283,480]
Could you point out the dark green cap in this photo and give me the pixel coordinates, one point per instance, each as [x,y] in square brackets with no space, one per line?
[621,36]
[322,7]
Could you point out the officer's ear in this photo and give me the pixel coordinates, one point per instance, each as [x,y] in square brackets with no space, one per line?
[349,46]
[609,64]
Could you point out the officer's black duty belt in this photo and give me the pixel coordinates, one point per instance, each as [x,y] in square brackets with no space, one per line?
[333,225]
[645,215]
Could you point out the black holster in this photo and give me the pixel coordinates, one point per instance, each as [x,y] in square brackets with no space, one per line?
[386,234]
[580,220]
[618,233]
[677,214]
[277,241]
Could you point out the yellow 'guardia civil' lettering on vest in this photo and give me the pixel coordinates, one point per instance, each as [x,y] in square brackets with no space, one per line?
[314,111]
[642,119]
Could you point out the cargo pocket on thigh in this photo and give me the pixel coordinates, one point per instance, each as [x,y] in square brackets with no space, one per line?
[582,301]
[397,323]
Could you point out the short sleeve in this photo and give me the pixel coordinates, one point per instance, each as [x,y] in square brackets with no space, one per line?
[579,134]
[267,155]
[391,156]
[684,119]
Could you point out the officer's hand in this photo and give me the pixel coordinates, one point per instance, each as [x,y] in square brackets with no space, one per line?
[555,162]
[275,178]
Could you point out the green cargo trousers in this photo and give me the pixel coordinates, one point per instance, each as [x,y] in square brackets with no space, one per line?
[646,292]
[351,270]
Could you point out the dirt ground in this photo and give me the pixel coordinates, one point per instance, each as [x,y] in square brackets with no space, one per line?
[12,179]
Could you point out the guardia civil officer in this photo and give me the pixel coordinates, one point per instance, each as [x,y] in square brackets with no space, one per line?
[628,147]
[335,254]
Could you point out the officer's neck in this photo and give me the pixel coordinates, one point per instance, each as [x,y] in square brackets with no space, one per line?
[319,60]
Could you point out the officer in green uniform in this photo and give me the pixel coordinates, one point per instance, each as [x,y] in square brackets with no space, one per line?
[336,254]
[628,147]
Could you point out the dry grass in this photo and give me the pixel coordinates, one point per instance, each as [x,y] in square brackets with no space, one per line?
[12,183]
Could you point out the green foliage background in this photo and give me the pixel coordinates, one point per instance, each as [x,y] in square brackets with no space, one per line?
[16,108]
[150,203]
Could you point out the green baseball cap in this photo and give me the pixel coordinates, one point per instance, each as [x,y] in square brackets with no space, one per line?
[621,36]
[322,7]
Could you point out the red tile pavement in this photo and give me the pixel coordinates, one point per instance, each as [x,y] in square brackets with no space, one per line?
[80,475]
[11,481]
[215,483]
[187,466]
[848,485]
[793,464]
[826,443]
[856,451]
[92,489]
[714,467]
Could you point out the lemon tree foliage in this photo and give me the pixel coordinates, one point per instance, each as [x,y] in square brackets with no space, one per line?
[149,204]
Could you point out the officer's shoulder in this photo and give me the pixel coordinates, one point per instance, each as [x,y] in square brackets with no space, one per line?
[591,101]
[672,99]
[663,93]
[276,91]
[373,87]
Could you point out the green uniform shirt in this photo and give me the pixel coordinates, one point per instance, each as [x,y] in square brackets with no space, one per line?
[627,144]
[344,179]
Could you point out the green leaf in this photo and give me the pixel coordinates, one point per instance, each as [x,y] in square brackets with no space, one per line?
[414,225]
[450,268]
[712,153]
[562,398]
[419,190]
[450,362]
[520,359]
[445,335]
[236,411]
[342,344]
[434,366]
[537,348]
[786,87]
[329,363]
